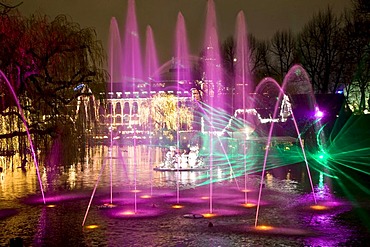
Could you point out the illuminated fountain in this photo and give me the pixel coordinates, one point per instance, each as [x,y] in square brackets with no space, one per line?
[232,149]
[243,77]
[127,73]
[280,97]
[182,73]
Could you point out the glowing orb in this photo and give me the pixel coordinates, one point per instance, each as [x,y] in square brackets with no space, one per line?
[51,206]
[318,207]
[246,190]
[319,114]
[145,196]
[249,205]
[264,228]
[208,215]
[127,213]
[107,206]
[92,226]
[177,206]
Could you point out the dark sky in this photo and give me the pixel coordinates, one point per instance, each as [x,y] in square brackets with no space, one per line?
[263,17]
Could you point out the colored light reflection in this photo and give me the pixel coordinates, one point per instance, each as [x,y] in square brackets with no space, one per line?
[249,205]
[92,226]
[107,205]
[51,206]
[246,190]
[264,228]
[208,215]
[127,213]
[204,197]
[177,206]
[318,207]
[145,196]
[135,191]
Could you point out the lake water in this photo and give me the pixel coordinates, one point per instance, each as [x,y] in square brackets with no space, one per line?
[285,216]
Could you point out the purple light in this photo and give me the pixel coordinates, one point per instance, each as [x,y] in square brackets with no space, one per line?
[319,114]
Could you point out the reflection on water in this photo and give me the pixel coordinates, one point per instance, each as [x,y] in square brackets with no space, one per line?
[15,183]
[285,205]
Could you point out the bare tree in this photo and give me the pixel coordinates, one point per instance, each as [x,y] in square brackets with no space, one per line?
[262,60]
[357,33]
[283,53]
[228,56]
[319,49]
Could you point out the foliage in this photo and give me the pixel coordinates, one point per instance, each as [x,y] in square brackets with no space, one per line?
[167,112]
[48,63]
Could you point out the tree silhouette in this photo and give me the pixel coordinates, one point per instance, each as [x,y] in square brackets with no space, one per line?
[48,63]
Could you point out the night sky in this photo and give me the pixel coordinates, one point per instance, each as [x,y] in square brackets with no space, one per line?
[263,17]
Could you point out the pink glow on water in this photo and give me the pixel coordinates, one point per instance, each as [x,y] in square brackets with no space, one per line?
[33,152]
[132,66]
[123,213]
[55,199]
[135,191]
[219,212]
[146,196]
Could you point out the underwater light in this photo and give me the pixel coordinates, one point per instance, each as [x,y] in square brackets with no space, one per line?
[264,228]
[318,207]
[249,205]
[127,213]
[208,215]
[92,226]
[145,196]
[246,190]
[135,191]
